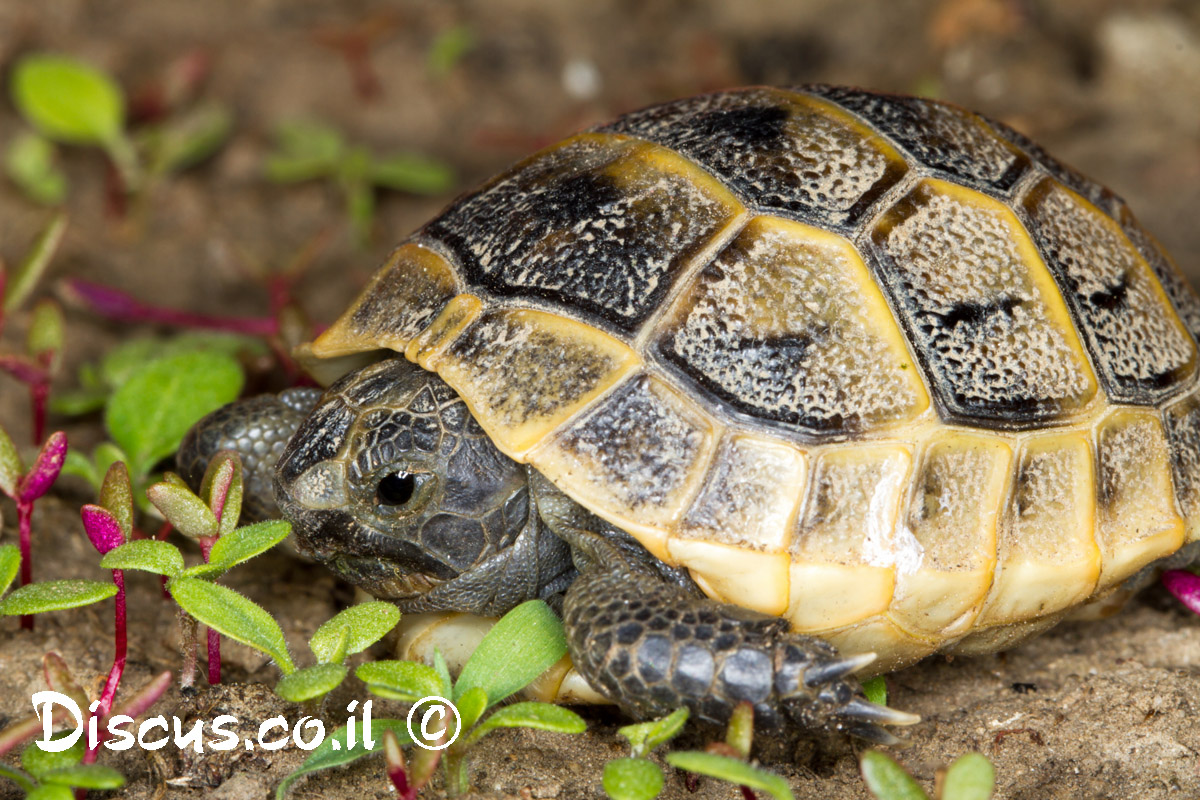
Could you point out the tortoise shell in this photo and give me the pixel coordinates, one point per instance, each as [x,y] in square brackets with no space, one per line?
[873,363]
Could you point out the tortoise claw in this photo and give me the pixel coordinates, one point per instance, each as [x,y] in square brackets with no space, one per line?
[865,711]
[836,669]
[872,733]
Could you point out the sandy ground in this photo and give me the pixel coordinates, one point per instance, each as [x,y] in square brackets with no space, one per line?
[1096,710]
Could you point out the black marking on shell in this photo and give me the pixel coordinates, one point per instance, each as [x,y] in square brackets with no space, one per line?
[811,167]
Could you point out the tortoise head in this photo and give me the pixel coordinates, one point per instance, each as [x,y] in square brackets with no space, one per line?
[392,484]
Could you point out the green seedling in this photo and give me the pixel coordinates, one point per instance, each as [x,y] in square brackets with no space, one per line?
[637,777]
[971,777]
[151,410]
[24,487]
[51,775]
[40,361]
[70,102]
[525,643]
[210,519]
[876,690]
[311,151]
[350,631]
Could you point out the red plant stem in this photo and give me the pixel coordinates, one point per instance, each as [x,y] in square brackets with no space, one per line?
[118,667]
[119,648]
[214,638]
[25,527]
[118,305]
[39,391]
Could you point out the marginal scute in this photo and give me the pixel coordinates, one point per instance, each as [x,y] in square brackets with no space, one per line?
[1138,343]
[893,646]
[1182,422]
[750,495]
[940,136]
[525,372]
[843,550]
[600,224]
[946,548]
[1048,559]
[981,309]
[787,325]
[455,316]
[747,578]
[780,151]
[400,301]
[1137,519]
[636,458]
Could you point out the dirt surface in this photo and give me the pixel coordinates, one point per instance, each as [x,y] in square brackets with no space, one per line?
[1095,710]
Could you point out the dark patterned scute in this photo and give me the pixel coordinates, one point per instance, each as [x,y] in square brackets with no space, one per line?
[940,136]
[777,154]
[1182,295]
[1139,349]
[974,312]
[588,225]
[1098,194]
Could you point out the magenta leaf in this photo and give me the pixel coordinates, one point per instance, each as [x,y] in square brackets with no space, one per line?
[1185,586]
[102,528]
[45,468]
[117,305]
[146,696]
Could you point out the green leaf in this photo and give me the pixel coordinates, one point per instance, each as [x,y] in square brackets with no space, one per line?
[30,164]
[10,464]
[86,776]
[249,541]
[526,642]
[471,706]
[406,681]
[190,138]
[887,780]
[732,770]
[77,403]
[971,777]
[10,563]
[306,150]
[23,781]
[232,615]
[876,690]
[50,791]
[116,496]
[33,265]
[305,684]
[38,598]
[335,752]
[363,624]
[540,716]
[645,736]
[448,48]
[443,672]
[221,490]
[68,100]
[632,779]
[183,509]
[38,762]
[149,555]
[46,332]
[416,174]
[81,466]
[150,413]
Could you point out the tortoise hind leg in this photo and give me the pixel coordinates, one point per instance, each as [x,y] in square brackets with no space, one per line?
[643,635]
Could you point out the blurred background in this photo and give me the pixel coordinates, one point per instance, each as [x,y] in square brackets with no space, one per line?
[469,87]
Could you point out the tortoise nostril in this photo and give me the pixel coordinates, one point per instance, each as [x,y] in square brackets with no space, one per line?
[397,488]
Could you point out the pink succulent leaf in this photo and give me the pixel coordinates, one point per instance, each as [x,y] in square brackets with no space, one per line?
[102,528]
[45,468]
[23,369]
[146,696]
[1185,586]
[116,496]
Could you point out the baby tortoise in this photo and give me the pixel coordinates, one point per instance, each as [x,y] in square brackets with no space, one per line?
[750,377]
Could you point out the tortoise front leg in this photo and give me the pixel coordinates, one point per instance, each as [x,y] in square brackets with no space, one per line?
[643,636]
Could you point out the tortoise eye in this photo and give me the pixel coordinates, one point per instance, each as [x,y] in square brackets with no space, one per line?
[397,488]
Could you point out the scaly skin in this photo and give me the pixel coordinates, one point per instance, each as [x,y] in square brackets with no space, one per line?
[638,630]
